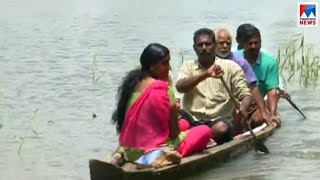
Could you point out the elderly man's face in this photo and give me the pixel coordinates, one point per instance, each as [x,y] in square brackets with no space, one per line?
[223,47]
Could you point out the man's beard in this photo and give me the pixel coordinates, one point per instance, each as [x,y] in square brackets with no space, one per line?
[253,52]
[222,55]
[206,59]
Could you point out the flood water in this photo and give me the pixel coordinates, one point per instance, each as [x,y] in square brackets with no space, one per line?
[48,95]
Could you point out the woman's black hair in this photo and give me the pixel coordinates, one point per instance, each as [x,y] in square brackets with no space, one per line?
[151,55]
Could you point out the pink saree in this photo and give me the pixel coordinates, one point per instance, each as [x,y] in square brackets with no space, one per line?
[146,124]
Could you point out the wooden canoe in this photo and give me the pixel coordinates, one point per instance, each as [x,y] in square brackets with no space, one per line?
[100,170]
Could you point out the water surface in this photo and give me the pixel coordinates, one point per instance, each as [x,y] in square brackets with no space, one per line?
[46,53]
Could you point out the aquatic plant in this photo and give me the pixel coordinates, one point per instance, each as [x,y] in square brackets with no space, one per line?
[30,126]
[299,58]
[181,54]
[94,69]
[1,94]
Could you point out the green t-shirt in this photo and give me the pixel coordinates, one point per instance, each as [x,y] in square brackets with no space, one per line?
[266,71]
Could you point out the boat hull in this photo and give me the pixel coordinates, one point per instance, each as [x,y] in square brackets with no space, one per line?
[100,170]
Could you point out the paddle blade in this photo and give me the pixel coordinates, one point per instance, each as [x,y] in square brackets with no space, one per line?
[259,146]
[296,107]
[258,143]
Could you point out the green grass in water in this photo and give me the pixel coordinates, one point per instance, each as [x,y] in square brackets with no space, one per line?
[298,59]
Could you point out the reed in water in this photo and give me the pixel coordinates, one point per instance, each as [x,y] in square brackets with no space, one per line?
[299,59]
[30,126]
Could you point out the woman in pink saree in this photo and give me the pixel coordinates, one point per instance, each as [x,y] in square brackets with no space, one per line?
[146,114]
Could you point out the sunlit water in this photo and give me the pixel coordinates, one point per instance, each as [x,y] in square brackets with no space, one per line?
[46,54]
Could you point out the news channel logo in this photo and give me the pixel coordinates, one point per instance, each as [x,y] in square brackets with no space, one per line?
[307,14]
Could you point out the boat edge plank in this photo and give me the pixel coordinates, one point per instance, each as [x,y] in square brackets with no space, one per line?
[100,170]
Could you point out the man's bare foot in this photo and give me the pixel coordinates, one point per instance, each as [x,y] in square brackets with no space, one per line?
[211,143]
[239,136]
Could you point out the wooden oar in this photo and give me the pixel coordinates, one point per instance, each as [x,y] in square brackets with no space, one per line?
[259,145]
[295,106]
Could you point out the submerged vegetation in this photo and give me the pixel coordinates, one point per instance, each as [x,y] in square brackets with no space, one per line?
[1,94]
[181,54]
[94,69]
[30,126]
[299,59]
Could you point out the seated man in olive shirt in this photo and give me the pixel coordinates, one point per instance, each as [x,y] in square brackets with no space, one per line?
[204,95]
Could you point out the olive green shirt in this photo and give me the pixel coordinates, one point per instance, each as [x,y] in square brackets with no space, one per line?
[209,99]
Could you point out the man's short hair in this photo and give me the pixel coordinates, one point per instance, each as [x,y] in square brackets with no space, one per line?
[242,29]
[203,31]
[245,32]
[250,31]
